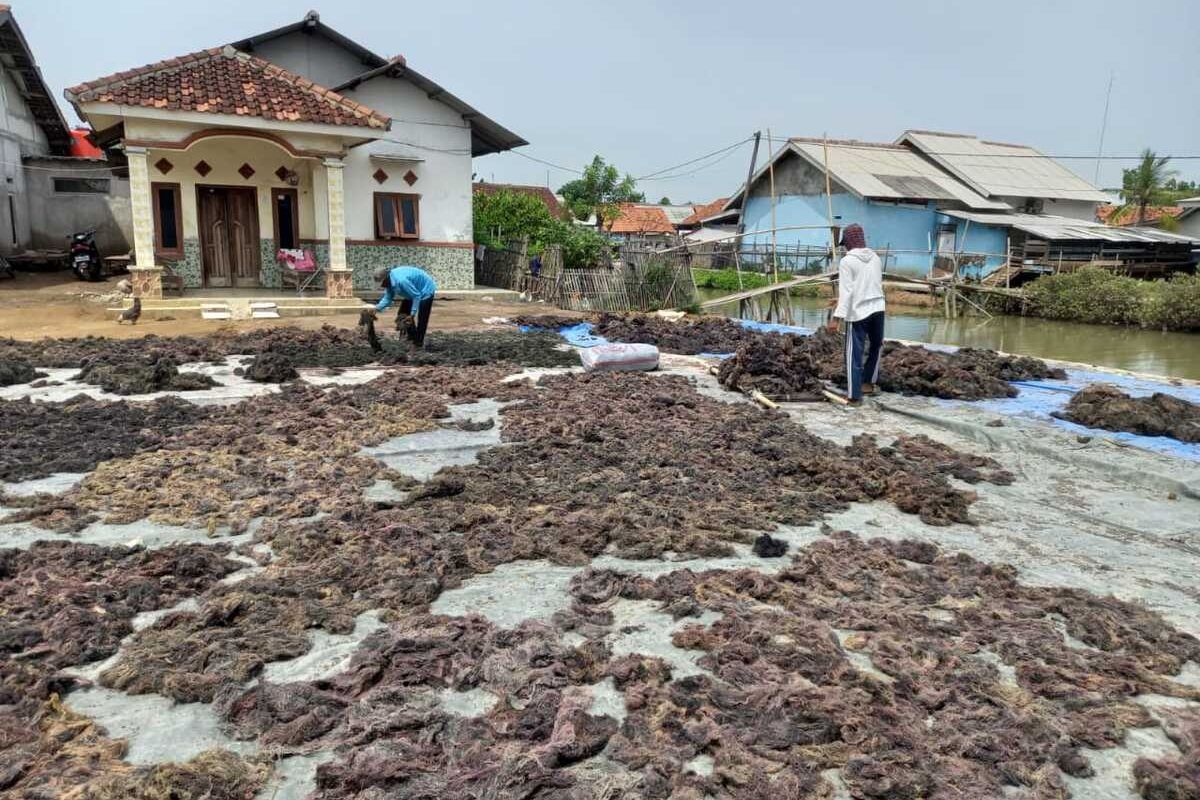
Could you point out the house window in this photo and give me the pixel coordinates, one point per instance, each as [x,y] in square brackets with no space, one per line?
[81,185]
[287,218]
[168,219]
[397,216]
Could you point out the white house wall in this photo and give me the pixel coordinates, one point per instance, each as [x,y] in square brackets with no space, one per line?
[424,128]
[19,135]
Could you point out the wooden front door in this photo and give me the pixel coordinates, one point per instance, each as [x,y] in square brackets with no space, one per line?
[228,221]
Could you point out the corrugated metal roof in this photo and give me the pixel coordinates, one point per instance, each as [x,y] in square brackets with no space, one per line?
[890,172]
[1066,229]
[677,214]
[1002,170]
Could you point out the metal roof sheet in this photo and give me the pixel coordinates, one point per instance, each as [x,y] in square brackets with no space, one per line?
[1065,228]
[1002,170]
[891,172]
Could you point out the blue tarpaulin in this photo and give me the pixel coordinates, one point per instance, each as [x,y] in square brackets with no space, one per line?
[1036,400]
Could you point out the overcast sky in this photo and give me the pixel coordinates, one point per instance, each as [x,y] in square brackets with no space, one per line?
[652,84]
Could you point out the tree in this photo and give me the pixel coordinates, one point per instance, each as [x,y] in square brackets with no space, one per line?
[505,216]
[1144,184]
[599,192]
[666,201]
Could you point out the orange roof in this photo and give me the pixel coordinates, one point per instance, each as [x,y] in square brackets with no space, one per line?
[548,198]
[705,211]
[1127,215]
[635,218]
[228,81]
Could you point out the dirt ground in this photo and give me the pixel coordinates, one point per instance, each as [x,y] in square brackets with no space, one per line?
[37,305]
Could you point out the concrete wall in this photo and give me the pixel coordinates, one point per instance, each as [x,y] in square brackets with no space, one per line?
[1074,209]
[55,215]
[19,136]
[984,248]
[1190,225]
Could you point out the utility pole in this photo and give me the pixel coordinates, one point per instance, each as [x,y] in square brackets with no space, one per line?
[1103,128]
[741,227]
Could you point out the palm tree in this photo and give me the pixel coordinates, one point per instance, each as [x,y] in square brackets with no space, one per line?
[1143,185]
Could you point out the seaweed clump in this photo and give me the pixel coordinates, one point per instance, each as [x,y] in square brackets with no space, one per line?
[780,367]
[271,368]
[161,375]
[14,371]
[1102,405]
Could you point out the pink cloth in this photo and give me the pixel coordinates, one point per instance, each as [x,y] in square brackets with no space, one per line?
[299,260]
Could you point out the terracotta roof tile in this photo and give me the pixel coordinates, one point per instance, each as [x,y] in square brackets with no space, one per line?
[227,81]
[704,211]
[634,218]
[1127,215]
[548,198]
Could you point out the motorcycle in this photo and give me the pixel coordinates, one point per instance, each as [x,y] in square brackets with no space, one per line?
[85,257]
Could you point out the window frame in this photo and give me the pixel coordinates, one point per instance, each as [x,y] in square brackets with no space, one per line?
[396,198]
[276,192]
[159,249]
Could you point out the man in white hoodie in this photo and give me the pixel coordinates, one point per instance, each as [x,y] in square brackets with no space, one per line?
[860,304]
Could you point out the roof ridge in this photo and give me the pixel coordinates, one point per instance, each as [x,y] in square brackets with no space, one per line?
[1009,144]
[939,133]
[267,68]
[846,143]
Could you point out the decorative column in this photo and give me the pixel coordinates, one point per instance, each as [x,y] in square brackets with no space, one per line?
[145,275]
[339,280]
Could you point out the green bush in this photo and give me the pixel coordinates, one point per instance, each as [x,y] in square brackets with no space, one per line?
[727,279]
[1099,296]
[505,216]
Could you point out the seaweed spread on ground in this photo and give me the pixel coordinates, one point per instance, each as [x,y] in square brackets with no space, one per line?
[1102,405]
[145,377]
[1173,778]
[75,435]
[327,346]
[875,659]
[14,371]
[271,368]
[689,336]
[780,367]
[285,456]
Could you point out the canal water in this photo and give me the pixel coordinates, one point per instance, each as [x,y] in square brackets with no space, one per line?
[1173,354]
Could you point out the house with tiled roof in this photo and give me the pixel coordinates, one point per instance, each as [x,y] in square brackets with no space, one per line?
[543,193]
[295,139]
[640,220]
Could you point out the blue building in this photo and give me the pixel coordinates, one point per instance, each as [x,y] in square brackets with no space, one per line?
[904,195]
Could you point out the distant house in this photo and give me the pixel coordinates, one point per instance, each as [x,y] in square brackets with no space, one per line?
[652,225]
[48,191]
[549,199]
[1189,218]
[931,200]
[1124,216]
[701,213]
[293,138]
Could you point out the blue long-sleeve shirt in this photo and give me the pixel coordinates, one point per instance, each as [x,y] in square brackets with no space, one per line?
[407,282]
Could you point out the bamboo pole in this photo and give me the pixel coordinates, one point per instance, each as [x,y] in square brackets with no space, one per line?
[774,231]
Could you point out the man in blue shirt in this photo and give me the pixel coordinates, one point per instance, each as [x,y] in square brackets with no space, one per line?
[416,289]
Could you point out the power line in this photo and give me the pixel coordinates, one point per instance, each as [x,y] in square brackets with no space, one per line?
[694,171]
[694,160]
[547,163]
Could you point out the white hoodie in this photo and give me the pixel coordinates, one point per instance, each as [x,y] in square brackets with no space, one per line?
[860,285]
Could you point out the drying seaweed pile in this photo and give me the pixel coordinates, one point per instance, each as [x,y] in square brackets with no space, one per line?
[159,375]
[964,374]
[77,434]
[689,336]
[912,673]
[14,371]
[327,346]
[288,455]
[780,367]
[1102,405]
[271,368]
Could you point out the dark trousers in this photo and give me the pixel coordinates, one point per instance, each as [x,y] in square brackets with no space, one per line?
[863,338]
[416,333]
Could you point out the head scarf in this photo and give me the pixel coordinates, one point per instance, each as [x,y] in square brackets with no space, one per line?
[853,237]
